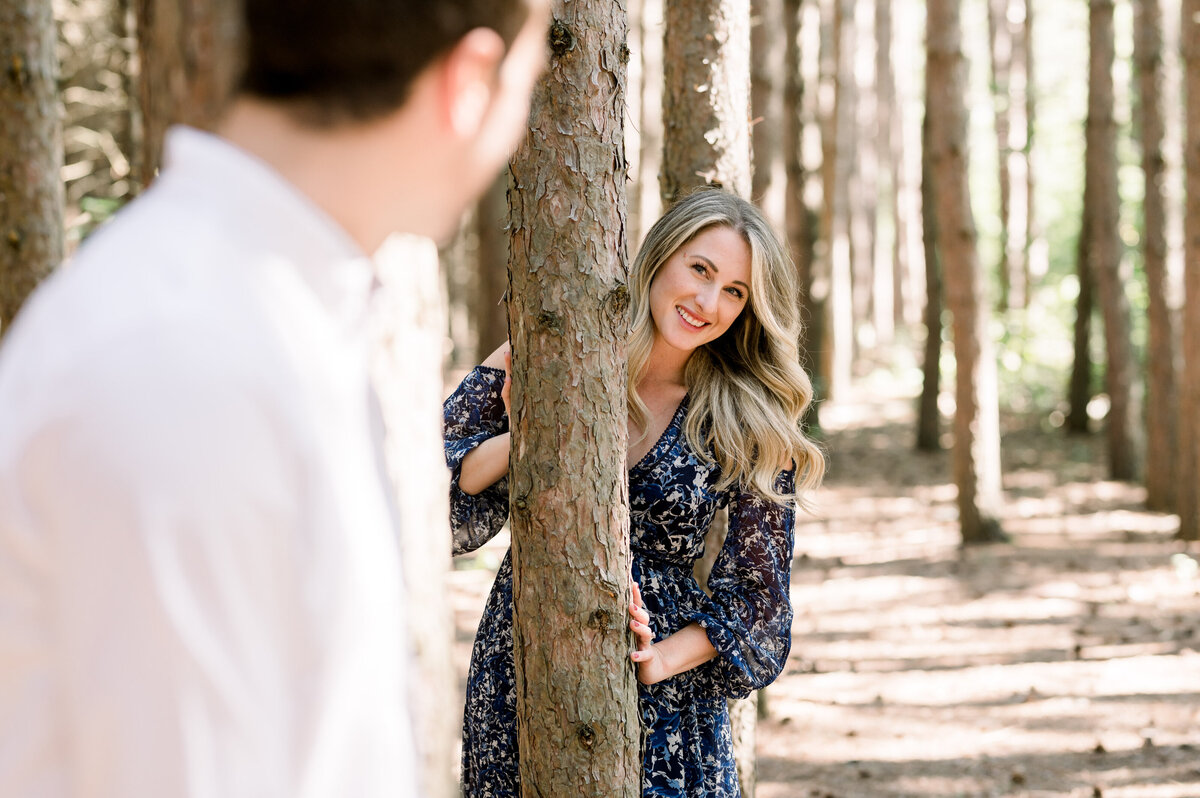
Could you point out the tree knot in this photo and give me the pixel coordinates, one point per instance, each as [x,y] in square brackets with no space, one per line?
[551,321]
[587,735]
[599,619]
[561,39]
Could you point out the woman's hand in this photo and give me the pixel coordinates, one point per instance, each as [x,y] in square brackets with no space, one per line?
[651,668]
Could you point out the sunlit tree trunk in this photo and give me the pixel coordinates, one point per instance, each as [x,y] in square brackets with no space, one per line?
[31,194]
[1161,401]
[928,417]
[863,176]
[767,77]
[1001,51]
[976,416]
[1189,405]
[889,261]
[908,55]
[837,78]
[650,132]
[706,123]
[1017,227]
[188,55]
[408,324]
[800,221]
[1110,270]
[577,713]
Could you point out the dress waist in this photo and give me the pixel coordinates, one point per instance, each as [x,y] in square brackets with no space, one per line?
[664,560]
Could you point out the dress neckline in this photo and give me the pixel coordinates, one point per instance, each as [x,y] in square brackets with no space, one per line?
[665,440]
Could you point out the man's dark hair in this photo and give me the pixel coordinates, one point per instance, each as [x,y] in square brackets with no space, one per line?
[338,61]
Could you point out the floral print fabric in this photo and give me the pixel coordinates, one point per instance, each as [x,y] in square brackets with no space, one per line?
[687,742]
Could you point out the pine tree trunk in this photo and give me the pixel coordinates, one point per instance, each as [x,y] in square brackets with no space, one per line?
[491,279]
[1189,404]
[706,97]
[1079,391]
[1016,254]
[766,100]
[650,132]
[577,713]
[1001,51]
[890,261]
[188,55]
[1162,405]
[799,219]
[706,123]
[408,322]
[31,194]
[976,417]
[928,417]
[1125,440]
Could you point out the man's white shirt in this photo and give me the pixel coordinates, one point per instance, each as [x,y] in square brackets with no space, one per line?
[200,586]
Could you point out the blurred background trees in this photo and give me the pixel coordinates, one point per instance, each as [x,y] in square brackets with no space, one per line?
[1072,162]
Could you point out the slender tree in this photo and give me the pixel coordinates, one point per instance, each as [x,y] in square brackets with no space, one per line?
[1189,415]
[188,52]
[1018,226]
[1001,50]
[577,715]
[706,122]
[31,195]
[1111,271]
[928,417]
[1079,388]
[976,416]
[1161,398]
[800,221]
[767,76]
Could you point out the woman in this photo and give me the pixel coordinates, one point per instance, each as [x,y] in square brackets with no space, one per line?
[715,397]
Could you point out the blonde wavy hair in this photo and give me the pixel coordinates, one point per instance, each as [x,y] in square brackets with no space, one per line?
[747,389]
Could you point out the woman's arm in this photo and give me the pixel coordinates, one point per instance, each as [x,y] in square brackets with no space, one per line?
[487,463]
[674,654]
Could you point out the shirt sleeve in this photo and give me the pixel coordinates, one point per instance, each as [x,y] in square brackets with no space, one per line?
[749,617]
[471,415]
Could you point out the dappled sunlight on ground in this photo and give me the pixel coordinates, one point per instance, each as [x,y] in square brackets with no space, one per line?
[1063,664]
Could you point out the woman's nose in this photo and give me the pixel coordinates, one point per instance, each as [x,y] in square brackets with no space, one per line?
[706,298]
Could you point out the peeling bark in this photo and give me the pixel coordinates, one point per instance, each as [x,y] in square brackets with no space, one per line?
[577,714]
[31,194]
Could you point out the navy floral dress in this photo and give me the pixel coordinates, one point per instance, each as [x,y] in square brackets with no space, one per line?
[688,747]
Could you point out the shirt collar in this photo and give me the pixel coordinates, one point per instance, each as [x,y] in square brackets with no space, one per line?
[250,199]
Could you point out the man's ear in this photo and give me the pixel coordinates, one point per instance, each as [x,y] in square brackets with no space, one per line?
[469,79]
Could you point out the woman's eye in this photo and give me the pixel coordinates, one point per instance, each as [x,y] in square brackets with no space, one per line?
[735,292]
[699,268]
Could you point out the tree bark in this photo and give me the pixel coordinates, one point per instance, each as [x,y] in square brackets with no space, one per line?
[1125,433]
[706,97]
[577,712]
[767,76]
[838,75]
[188,55]
[1161,399]
[928,416]
[650,134]
[1189,454]
[31,194]
[976,417]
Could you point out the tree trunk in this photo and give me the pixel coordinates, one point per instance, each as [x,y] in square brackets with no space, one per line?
[706,97]
[928,417]
[491,281]
[1079,390]
[1125,437]
[577,712]
[408,324]
[889,262]
[188,55]
[31,195]
[799,218]
[863,180]
[706,123]
[836,171]
[1189,405]
[650,132]
[1016,250]
[766,99]
[976,417]
[1161,400]
[1001,51]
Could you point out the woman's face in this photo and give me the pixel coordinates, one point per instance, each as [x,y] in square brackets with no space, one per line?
[701,289]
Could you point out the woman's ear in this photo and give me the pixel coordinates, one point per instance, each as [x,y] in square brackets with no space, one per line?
[469,78]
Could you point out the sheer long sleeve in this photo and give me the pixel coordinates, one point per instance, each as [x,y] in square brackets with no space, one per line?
[749,617]
[471,415]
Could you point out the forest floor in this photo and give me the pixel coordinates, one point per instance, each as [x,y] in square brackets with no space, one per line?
[1065,663]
